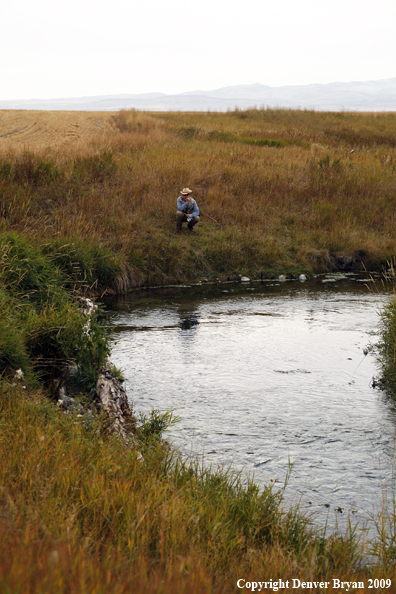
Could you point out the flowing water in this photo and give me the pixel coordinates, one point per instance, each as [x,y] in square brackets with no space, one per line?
[268,374]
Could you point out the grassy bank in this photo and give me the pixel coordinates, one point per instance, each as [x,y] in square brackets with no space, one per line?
[81,513]
[386,347]
[285,189]
[43,330]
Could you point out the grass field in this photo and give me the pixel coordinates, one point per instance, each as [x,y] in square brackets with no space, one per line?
[82,514]
[55,130]
[284,188]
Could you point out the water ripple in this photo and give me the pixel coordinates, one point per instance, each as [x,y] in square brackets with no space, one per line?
[264,379]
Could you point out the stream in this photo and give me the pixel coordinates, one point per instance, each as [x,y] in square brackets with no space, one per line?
[267,375]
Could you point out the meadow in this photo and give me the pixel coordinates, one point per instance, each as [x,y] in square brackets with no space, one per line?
[87,205]
[285,190]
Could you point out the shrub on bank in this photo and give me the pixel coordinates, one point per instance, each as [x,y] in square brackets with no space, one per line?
[84,266]
[13,352]
[27,274]
[43,331]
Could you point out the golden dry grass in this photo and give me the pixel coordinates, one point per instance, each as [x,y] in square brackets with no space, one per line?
[81,514]
[64,133]
[286,190]
[35,130]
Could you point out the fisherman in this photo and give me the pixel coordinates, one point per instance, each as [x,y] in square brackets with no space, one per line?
[187,210]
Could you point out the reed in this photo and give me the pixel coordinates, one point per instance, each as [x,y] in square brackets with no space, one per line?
[385,349]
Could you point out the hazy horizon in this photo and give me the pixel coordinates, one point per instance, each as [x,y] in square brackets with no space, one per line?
[188,91]
[89,48]
[339,96]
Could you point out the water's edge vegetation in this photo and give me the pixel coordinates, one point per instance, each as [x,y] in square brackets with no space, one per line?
[80,511]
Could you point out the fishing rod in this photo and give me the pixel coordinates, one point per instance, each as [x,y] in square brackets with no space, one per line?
[204,214]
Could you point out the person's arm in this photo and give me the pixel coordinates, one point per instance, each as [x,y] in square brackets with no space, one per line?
[181,204]
[195,212]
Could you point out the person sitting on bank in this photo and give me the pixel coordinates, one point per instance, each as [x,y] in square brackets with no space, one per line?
[187,210]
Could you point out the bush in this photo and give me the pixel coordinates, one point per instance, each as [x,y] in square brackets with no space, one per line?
[42,330]
[386,356]
[152,425]
[13,354]
[27,273]
[52,337]
[84,265]
[92,348]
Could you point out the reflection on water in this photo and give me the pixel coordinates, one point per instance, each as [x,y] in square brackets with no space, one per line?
[266,374]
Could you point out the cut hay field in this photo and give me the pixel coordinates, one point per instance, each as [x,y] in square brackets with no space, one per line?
[35,130]
[280,191]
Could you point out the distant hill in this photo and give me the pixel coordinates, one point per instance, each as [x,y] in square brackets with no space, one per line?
[378,95]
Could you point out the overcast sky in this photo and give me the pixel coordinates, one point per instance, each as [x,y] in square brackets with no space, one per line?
[52,49]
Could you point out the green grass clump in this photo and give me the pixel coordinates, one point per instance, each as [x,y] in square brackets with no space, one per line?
[263,142]
[27,273]
[27,169]
[13,352]
[43,331]
[84,266]
[386,349]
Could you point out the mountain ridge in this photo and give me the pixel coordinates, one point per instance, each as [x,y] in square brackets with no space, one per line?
[374,95]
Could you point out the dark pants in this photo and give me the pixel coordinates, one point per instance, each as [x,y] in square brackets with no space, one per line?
[181,218]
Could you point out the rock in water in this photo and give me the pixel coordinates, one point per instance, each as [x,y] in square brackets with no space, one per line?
[245,279]
[302,278]
[282,278]
[114,403]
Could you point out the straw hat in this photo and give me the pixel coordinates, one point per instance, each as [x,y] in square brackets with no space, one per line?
[186,191]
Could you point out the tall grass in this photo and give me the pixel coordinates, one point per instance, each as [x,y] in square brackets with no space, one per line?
[386,348]
[284,189]
[81,513]
[43,332]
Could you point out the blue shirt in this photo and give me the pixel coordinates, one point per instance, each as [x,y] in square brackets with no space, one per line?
[182,206]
